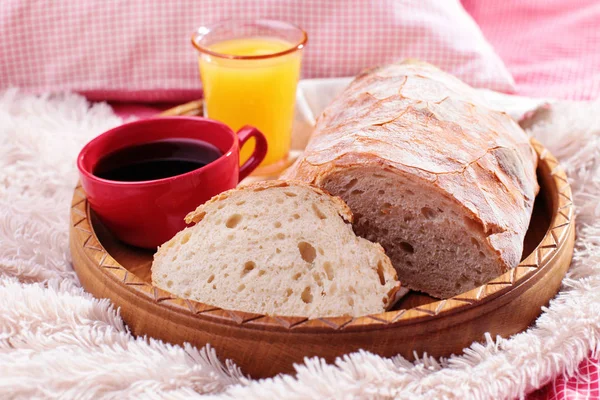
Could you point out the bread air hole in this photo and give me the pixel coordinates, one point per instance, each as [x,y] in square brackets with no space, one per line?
[306,296]
[297,276]
[187,293]
[357,192]
[240,203]
[290,194]
[317,278]
[350,301]
[321,252]
[296,216]
[186,238]
[380,273]
[210,278]
[248,266]
[351,183]
[233,221]
[169,284]
[280,236]
[277,251]
[307,252]
[261,272]
[385,208]
[407,247]
[475,242]
[471,224]
[277,224]
[279,200]
[428,213]
[328,270]
[241,287]
[381,191]
[318,212]
[221,206]
[332,288]
[288,292]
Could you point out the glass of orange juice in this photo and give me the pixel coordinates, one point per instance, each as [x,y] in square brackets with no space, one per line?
[249,72]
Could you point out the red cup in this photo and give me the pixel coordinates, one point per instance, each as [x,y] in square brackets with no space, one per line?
[148,213]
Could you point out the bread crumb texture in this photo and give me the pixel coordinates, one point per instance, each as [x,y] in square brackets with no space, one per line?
[277,248]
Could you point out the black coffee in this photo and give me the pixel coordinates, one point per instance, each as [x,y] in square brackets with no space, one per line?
[156,160]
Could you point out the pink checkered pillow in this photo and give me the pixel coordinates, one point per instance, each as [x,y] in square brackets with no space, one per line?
[140,49]
[551,47]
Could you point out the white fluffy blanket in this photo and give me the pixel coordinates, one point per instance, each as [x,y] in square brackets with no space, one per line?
[57,341]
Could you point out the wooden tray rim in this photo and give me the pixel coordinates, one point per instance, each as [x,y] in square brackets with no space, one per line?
[555,238]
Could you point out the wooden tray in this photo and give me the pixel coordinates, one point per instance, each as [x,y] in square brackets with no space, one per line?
[266,345]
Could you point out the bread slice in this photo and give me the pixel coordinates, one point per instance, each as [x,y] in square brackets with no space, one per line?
[439,250]
[277,248]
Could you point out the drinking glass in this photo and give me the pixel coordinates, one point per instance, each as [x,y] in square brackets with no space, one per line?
[249,72]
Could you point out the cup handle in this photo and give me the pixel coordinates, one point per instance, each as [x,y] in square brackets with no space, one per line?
[259,153]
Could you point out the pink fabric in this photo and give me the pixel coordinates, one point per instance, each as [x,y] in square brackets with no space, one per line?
[128,111]
[584,385]
[140,50]
[551,47]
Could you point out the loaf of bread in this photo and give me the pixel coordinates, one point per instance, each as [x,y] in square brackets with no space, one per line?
[444,183]
[278,248]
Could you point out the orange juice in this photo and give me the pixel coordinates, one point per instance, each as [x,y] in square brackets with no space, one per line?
[258,92]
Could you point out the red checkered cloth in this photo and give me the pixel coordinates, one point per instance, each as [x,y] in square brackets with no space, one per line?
[584,385]
[551,47]
[140,50]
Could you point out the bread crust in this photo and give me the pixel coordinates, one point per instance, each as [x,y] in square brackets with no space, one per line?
[419,122]
[343,209]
